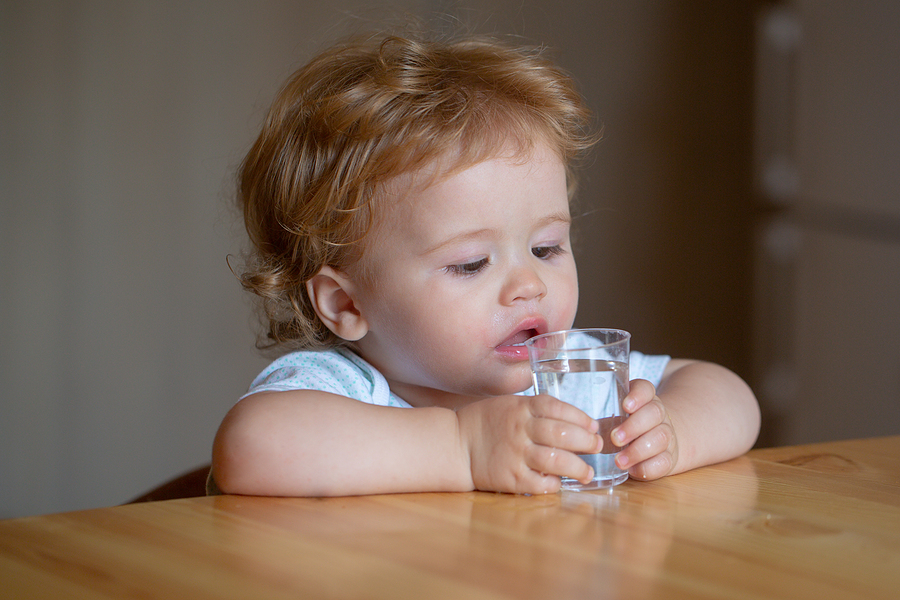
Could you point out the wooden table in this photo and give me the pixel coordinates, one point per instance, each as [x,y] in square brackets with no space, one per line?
[819,521]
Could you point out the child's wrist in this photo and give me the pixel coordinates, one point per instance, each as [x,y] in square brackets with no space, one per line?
[463,459]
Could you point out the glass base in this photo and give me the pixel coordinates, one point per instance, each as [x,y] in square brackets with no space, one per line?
[573,485]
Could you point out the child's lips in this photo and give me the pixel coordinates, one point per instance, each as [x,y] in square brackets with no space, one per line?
[513,347]
[519,338]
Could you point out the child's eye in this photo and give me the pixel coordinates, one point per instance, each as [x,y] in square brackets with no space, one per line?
[467,268]
[545,252]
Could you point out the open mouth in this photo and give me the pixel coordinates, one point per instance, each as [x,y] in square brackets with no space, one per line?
[513,347]
[520,337]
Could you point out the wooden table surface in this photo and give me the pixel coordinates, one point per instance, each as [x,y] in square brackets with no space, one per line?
[818,521]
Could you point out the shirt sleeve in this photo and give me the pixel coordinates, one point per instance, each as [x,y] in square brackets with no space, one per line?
[646,366]
[338,372]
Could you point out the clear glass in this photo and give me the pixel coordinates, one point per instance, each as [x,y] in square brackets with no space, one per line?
[587,368]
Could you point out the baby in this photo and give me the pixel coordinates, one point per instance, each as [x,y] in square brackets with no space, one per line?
[408,205]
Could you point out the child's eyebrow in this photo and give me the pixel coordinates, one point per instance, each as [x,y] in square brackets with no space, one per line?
[487,232]
[561,217]
[461,238]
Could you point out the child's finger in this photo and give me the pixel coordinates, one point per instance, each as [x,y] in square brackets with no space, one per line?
[655,468]
[652,447]
[640,393]
[548,407]
[540,483]
[648,416]
[556,461]
[554,433]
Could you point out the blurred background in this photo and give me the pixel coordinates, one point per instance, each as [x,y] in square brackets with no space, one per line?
[742,208]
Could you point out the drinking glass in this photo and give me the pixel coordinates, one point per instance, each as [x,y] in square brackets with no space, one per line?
[587,368]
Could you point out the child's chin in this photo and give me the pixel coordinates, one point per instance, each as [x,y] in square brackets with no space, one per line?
[517,384]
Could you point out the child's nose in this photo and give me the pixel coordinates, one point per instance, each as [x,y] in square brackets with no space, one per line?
[523,283]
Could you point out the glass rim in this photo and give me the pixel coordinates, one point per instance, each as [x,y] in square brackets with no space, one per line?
[624,336]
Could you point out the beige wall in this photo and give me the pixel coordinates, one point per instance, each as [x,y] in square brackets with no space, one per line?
[124,337]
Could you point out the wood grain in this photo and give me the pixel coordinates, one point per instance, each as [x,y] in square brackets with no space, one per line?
[816,521]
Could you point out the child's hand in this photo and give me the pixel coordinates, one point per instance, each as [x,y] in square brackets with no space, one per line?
[653,449]
[523,444]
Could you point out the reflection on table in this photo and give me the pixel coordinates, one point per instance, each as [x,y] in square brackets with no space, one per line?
[817,521]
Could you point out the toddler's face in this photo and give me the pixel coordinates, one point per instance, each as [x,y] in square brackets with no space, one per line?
[466,270]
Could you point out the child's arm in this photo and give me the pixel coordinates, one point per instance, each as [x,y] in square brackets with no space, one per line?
[308,443]
[703,414]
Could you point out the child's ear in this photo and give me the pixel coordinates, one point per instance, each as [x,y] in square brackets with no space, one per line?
[330,293]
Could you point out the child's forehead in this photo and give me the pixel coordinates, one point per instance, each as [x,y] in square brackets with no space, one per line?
[452,189]
[409,185]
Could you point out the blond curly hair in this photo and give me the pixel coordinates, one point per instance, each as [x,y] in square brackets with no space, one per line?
[359,115]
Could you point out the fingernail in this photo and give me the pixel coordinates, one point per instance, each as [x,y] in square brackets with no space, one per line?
[622,461]
[618,436]
[628,404]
